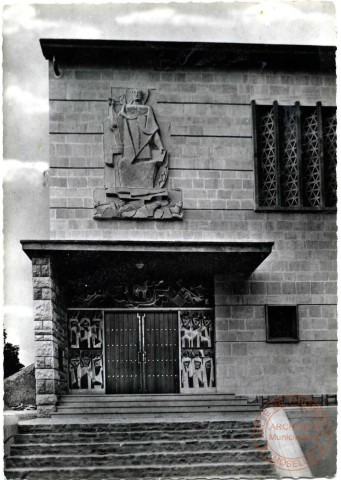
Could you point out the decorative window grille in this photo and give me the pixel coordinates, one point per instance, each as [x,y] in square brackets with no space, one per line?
[329,149]
[295,157]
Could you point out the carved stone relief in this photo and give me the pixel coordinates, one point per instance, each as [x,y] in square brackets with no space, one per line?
[85,352]
[145,292]
[197,351]
[134,150]
[197,370]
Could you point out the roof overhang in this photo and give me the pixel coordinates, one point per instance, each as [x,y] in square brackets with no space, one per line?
[240,258]
[163,55]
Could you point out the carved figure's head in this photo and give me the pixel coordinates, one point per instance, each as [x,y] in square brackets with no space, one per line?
[85,323]
[136,96]
[208,365]
[197,363]
[207,321]
[186,364]
[196,322]
[186,322]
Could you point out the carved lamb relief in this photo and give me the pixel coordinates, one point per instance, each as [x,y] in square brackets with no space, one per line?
[134,152]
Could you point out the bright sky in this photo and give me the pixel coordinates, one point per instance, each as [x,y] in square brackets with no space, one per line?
[25,109]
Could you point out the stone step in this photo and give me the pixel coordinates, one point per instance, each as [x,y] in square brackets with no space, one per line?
[143,458]
[150,417]
[144,417]
[95,409]
[149,397]
[112,436]
[151,402]
[101,448]
[198,470]
[80,426]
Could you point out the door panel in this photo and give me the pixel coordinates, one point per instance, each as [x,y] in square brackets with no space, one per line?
[142,352]
[122,368]
[162,352]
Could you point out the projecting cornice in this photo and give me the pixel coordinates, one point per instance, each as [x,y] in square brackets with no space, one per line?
[237,258]
[164,55]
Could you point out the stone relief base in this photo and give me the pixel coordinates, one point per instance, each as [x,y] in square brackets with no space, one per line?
[138,203]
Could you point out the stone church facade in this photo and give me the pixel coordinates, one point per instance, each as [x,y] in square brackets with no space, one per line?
[192,238]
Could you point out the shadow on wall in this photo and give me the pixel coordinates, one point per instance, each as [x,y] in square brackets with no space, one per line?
[20,389]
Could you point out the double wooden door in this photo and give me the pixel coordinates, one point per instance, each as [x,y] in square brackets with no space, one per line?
[142,352]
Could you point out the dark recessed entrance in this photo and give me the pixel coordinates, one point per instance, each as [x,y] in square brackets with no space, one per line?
[157,295]
[142,352]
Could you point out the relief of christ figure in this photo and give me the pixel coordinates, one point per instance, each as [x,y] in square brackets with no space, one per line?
[136,163]
[134,146]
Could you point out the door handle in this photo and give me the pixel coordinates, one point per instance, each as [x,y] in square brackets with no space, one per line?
[142,355]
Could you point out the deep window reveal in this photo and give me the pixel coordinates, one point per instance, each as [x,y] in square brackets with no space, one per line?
[281,323]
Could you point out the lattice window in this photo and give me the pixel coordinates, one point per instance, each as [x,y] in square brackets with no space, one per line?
[329,146]
[295,157]
[311,159]
[267,139]
[288,145]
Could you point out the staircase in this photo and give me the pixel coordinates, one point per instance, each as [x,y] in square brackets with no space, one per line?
[123,437]
[217,449]
[141,405]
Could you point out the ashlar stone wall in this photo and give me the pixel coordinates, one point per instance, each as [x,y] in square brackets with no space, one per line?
[208,119]
[50,336]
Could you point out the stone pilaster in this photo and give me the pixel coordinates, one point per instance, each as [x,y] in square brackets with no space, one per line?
[50,336]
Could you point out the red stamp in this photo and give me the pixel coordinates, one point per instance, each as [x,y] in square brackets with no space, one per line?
[294,443]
